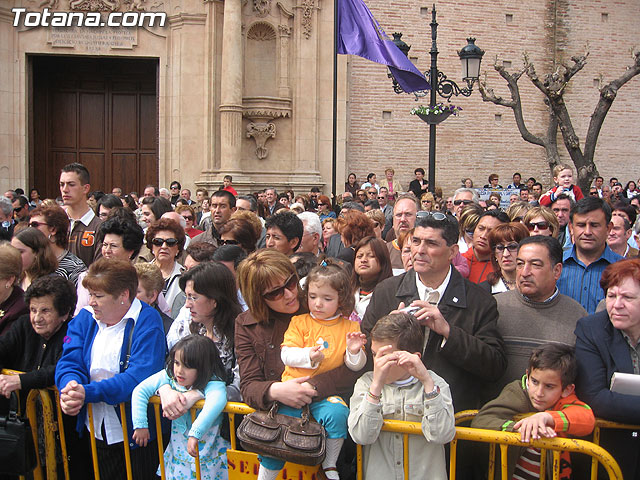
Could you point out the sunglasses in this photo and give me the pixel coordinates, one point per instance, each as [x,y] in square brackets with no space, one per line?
[323,204]
[35,224]
[435,215]
[276,294]
[187,217]
[541,226]
[381,198]
[512,247]
[158,242]
[17,209]
[463,202]
[228,242]
[593,194]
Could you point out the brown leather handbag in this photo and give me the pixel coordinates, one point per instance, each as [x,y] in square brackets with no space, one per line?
[272,434]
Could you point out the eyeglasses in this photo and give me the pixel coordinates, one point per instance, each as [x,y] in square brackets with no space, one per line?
[290,284]
[439,216]
[541,226]
[512,247]
[103,215]
[35,224]
[228,242]
[463,202]
[158,242]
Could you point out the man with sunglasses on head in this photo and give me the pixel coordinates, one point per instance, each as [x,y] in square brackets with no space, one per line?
[535,312]
[462,343]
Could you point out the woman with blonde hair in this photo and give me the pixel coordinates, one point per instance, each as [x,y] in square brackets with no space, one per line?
[517,210]
[269,283]
[468,219]
[378,219]
[427,202]
[541,221]
[38,258]
[11,295]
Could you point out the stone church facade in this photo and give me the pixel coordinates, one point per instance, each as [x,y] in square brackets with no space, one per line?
[244,87]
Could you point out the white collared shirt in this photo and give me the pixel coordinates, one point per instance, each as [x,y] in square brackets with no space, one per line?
[105,363]
[85,219]
[423,290]
[423,293]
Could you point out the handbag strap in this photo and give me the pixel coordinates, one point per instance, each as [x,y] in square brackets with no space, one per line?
[13,406]
[305,417]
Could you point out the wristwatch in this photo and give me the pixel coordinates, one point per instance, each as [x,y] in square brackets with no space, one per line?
[433,393]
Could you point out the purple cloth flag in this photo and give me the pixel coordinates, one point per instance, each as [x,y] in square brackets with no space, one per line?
[360,34]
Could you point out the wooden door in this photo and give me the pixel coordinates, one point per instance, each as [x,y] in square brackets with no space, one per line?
[101,112]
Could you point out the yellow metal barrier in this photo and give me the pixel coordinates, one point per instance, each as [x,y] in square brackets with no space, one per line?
[243,465]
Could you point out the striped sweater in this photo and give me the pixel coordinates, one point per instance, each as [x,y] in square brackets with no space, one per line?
[570,415]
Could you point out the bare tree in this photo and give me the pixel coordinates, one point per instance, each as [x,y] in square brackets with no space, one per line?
[553,88]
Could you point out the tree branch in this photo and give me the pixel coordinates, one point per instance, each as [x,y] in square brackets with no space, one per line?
[488,95]
[607,96]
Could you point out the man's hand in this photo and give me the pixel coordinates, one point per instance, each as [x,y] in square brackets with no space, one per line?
[72,398]
[536,426]
[315,354]
[295,393]
[429,315]
[355,342]
[9,383]
[141,436]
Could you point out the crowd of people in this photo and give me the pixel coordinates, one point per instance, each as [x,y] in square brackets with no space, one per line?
[378,303]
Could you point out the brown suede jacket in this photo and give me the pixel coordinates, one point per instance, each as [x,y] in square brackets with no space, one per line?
[258,354]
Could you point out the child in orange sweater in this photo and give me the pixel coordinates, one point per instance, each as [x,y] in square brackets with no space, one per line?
[547,389]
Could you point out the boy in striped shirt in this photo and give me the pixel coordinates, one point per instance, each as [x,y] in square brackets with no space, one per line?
[547,391]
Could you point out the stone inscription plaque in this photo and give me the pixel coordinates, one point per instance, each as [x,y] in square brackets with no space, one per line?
[93,39]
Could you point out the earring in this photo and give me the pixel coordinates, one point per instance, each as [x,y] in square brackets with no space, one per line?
[121,303]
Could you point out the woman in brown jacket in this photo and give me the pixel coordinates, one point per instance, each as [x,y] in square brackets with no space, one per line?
[269,284]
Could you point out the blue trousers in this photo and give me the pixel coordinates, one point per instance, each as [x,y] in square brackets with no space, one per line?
[332,413]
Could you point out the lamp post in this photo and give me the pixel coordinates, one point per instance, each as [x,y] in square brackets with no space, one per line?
[470,56]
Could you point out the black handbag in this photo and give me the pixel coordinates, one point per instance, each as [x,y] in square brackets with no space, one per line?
[272,434]
[17,451]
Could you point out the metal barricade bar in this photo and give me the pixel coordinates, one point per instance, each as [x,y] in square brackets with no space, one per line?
[493,438]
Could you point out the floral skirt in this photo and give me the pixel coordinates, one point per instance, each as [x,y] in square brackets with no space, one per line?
[179,465]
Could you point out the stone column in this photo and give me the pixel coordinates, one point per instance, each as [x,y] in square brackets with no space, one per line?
[231,88]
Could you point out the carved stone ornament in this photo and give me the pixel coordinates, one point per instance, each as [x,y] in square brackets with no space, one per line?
[261,132]
[308,6]
[95,5]
[109,5]
[262,7]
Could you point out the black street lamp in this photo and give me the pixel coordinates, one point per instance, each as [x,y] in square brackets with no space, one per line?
[470,56]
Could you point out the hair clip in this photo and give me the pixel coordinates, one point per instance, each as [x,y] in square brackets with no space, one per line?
[323,263]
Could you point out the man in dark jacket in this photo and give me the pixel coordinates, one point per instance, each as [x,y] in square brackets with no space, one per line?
[463,344]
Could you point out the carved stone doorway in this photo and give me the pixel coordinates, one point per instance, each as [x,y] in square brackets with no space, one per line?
[101,112]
